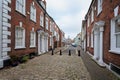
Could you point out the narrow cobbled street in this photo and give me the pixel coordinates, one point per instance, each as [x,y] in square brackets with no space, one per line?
[49,67]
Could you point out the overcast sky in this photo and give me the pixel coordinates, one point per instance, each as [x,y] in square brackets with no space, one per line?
[68,14]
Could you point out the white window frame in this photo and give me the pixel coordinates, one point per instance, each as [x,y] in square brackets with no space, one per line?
[46,23]
[113,47]
[88,21]
[99,6]
[41,19]
[50,26]
[50,41]
[33,13]
[88,40]
[92,15]
[92,39]
[32,42]
[20,6]
[16,38]
[57,36]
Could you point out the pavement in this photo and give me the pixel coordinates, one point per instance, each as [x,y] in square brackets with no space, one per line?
[49,67]
[96,72]
[59,67]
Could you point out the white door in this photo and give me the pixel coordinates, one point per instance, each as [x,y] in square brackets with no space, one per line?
[96,44]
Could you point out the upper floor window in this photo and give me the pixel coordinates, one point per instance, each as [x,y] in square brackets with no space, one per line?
[42,19]
[50,41]
[47,23]
[32,39]
[19,37]
[33,13]
[99,6]
[92,15]
[92,39]
[88,21]
[115,35]
[50,26]
[42,4]
[88,40]
[20,6]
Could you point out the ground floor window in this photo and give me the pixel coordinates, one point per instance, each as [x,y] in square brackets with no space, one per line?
[32,39]
[88,40]
[92,39]
[115,34]
[19,37]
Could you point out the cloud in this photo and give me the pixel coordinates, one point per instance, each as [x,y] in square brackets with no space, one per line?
[68,14]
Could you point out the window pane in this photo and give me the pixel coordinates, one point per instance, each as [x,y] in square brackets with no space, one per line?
[117,27]
[19,37]
[118,40]
[32,41]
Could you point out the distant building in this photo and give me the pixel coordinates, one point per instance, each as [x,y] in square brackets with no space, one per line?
[77,40]
[68,41]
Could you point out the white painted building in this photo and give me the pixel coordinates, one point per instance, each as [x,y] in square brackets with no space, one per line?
[4,32]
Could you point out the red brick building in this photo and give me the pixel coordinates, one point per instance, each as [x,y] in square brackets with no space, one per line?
[103,33]
[26,28]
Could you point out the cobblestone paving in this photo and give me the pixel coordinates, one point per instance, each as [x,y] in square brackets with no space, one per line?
[47,67]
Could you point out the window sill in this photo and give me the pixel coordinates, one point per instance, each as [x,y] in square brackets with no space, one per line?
[20,47]
[99,13]
[114,51]
[32,46]
[41,25]
[91,46]
[33,20]
[21,13]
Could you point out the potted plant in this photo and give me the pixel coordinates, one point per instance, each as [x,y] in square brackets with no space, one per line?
[14,60]
[23,59]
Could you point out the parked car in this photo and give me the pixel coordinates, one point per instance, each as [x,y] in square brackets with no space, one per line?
[74,45]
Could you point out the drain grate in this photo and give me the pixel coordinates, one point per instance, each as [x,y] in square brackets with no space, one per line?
[115,68]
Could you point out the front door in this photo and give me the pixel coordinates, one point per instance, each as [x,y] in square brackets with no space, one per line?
[39,44]
[96,44]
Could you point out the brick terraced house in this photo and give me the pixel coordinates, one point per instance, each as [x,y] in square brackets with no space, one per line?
[103,33]
[26,28]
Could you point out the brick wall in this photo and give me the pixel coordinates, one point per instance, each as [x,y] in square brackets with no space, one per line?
[106,15]
[27,24]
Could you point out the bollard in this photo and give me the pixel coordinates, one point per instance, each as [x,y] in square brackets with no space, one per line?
[60,52]
[69,52]
[52,52]
[78,52]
